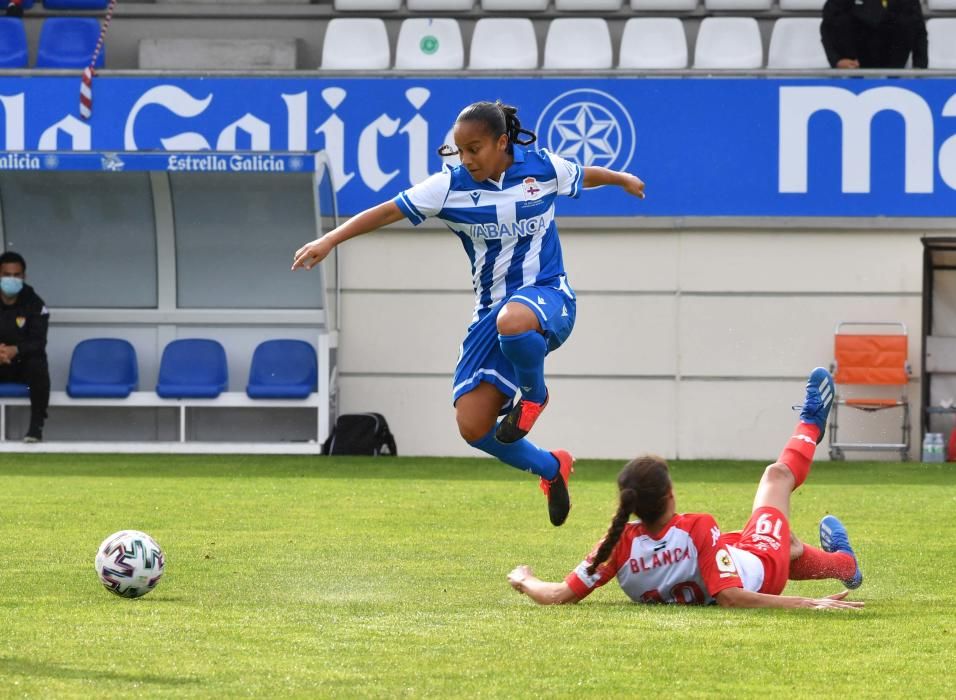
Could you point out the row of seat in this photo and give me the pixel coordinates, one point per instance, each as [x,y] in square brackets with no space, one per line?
[70,5]
[585,43]
[189,368]
[65,42]
[592,5]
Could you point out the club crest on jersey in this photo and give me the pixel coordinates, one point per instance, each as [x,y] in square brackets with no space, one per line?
[475,196]
[21,321]
[531,188]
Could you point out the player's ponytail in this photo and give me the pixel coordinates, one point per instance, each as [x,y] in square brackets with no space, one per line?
[643,485]
[499,119]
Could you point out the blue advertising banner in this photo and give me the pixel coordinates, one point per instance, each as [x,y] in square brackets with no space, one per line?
[705,147]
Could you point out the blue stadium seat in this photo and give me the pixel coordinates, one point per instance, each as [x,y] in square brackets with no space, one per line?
[192,368]
[103,368]
[68,42]
[283,369]
[75,4]
[13,43]
[12,390]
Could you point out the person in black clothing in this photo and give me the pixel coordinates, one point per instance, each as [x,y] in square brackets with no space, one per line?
[24,320]
[874,33]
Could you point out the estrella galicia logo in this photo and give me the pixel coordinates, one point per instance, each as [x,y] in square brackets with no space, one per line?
[589,127]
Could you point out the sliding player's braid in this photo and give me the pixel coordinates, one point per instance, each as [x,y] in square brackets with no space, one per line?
[624,509]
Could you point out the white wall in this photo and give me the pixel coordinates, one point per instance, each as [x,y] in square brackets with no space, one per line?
[689,343]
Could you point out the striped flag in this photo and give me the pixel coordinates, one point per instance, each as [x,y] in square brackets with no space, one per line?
[86,82]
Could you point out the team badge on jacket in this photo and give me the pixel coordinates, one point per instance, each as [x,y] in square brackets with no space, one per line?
[21,321]
[531,188]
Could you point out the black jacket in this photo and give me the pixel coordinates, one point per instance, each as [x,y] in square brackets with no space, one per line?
[25,322]
[876,36]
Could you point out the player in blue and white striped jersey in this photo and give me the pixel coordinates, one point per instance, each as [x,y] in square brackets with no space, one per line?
[500,203]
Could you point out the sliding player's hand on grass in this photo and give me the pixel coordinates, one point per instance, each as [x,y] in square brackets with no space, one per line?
[833,602]
[518,575]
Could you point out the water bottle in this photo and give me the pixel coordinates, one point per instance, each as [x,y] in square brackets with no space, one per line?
[940,451]
[927,448]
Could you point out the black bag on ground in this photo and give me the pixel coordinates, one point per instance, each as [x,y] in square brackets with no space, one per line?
[360,434]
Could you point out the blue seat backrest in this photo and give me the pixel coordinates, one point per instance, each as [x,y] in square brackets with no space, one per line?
[75,4]
[68,42]
[198,365]
[13,43]
[100,363]
[284,362]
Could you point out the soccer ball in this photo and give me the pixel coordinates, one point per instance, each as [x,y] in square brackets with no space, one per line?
[129,563]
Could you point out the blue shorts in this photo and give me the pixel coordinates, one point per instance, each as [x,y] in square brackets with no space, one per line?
[480,358]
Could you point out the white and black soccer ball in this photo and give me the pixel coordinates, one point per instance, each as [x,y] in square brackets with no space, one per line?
[130,563]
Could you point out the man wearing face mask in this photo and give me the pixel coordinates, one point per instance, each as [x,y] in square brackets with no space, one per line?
[24,320]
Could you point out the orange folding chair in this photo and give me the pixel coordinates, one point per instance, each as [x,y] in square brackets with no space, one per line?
[870,361]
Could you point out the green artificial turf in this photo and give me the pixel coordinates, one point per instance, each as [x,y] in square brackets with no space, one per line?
[315,577]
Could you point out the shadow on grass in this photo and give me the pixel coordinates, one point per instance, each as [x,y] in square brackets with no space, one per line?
[39,669]
[446,469]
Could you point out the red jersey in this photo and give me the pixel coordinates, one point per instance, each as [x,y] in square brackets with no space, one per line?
[689,561]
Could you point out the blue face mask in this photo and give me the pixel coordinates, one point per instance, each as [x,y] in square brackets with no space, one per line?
[11,286]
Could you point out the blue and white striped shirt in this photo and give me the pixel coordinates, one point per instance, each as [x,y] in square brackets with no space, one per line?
[506,227]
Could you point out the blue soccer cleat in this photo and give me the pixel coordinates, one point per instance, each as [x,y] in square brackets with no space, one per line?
[816,406]
[833,538]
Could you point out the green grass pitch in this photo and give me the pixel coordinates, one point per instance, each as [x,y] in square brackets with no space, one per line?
[309,577]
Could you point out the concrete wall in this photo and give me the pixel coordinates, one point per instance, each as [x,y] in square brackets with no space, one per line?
[689,343]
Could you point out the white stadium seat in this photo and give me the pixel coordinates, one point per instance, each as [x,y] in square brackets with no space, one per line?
[440,5]
[429,44]
[738,5]
[377,5]
[943,5]
[515,5]
[588,5]
[728,42]
[503,44]
[664,5]
[795,43]
[941,33]
[356,44]
[806,5]
[575,43]
[653,42]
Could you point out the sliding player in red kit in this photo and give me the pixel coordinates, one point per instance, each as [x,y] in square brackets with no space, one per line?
[668,557]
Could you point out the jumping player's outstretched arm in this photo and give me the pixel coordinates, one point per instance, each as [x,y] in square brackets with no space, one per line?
[595,177]
[741,598]
[311,254]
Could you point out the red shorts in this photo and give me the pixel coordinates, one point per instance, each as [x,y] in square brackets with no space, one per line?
[767,536]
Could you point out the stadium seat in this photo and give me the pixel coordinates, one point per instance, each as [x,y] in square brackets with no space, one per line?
[75,4]
[68,42]
[356,44]
[503,44]
[653,42]
[738,5]
[103,368]
[728,42]
[440,5]
[13,43]
[429,44]
[578,43]
[871,362]
[795,43]
[13,390]
[283,369]
[515,5]
[806,5]
[588,5]
[192,368]
[375,5]
[664,5]
[941,5]
[941,33]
